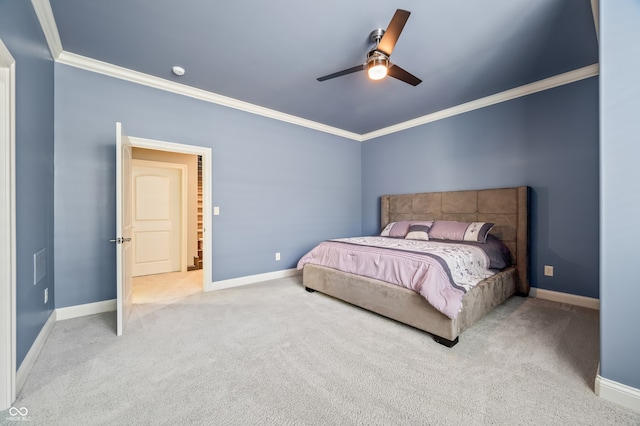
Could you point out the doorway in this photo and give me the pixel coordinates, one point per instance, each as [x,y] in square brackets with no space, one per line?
[194,270]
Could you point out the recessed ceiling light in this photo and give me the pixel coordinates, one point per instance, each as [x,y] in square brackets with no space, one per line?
[178,70]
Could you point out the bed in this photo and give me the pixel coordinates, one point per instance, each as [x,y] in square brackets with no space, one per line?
[506,208]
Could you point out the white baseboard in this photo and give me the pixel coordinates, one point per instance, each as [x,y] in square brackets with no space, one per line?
[251,279]
[618,393]
[571,299]
[86,309]
[33,354]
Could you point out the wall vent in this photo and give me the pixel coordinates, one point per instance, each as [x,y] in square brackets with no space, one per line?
[39,266]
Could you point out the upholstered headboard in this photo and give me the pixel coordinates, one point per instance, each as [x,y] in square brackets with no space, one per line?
[507,208]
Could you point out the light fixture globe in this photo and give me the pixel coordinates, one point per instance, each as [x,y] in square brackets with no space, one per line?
[377,66]
[377,69]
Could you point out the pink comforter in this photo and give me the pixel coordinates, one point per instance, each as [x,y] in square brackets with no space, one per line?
[440,272]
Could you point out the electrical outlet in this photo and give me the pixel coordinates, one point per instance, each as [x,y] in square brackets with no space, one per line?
[46,295]
[277,257]
[548,270]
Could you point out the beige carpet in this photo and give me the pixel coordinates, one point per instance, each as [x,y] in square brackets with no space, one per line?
[166,287]
[271,353]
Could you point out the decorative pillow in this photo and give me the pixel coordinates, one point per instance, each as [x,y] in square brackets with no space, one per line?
[460,231]
[387,229]
[498,253]
[418,232]
[401,228]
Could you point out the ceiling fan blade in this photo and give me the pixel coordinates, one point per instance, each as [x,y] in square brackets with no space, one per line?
[341,73]
[391,34]
[402,75]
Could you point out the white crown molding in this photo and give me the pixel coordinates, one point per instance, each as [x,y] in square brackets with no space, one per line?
[48,23]
[115,71]
[618,393]
[528,89]
[111,70]
[571,299]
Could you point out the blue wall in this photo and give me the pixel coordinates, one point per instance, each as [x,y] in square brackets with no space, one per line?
[548,140]
[21,33]
[620,199]
[280,187]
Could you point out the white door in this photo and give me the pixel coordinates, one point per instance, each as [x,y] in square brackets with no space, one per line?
[157,217]
[123,228]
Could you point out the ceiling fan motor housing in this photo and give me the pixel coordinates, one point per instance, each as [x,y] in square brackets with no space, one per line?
[376,35]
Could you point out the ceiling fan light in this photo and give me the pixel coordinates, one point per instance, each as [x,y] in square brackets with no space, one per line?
[377,68]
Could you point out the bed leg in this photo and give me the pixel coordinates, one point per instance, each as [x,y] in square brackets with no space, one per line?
[310,290]
[446,342]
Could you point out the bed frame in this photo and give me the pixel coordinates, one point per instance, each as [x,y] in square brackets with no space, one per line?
[507,208]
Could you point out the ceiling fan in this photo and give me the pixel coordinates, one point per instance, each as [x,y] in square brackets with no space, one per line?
[377,64]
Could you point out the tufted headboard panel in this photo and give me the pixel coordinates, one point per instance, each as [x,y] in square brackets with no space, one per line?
[507,208]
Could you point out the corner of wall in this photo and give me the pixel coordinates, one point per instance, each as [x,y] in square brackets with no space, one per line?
[618,393]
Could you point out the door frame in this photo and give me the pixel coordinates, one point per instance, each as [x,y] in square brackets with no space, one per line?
[205,152]
[182,168]
[7,227]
